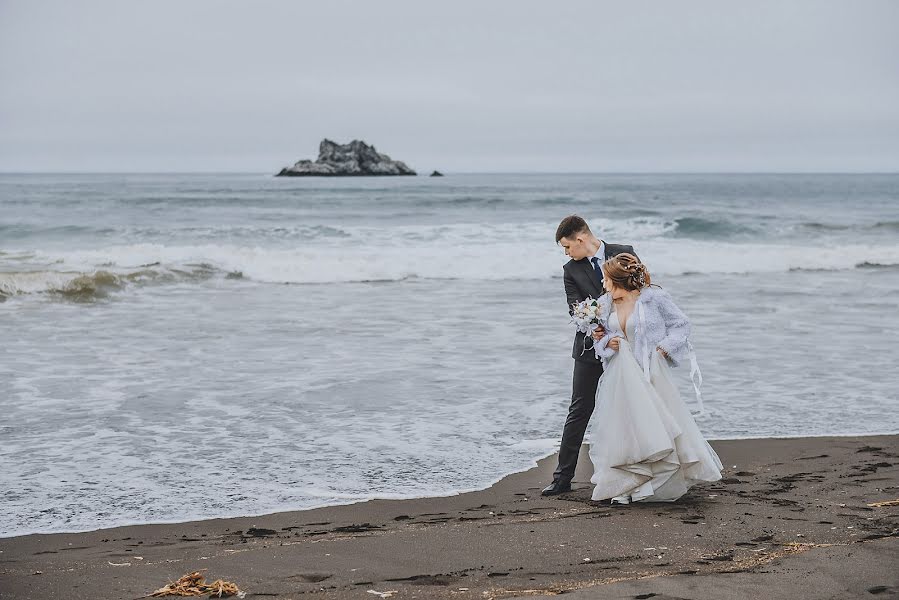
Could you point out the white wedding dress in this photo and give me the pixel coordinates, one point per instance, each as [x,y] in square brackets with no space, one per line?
[645,444]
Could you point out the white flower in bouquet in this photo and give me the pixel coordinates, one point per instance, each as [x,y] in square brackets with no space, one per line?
[586,315]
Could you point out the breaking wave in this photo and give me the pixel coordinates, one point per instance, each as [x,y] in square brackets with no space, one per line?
[89,286]
[94,274]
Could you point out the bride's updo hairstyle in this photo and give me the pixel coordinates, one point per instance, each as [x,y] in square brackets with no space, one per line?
[625,271]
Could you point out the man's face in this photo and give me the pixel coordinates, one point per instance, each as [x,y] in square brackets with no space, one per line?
[575,248]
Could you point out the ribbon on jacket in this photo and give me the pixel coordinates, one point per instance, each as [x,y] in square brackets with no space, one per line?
[641,317]
[695,374]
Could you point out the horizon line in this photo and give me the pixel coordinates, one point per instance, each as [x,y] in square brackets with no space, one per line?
[446,173]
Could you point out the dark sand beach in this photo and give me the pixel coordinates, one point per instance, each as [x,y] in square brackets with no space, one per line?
[792,518]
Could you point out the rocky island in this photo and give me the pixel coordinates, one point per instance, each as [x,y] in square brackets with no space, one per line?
[347,160]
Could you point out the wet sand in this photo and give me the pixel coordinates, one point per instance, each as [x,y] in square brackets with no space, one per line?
[791,519]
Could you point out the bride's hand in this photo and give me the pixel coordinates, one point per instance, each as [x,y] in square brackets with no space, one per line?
[615,343]
[662,352]
[599,333]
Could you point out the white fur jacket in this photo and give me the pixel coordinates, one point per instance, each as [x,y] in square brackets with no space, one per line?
[659,324]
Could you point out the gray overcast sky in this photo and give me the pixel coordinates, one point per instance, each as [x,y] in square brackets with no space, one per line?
[220,85]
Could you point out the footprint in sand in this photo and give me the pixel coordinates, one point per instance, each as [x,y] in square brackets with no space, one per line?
[310,577]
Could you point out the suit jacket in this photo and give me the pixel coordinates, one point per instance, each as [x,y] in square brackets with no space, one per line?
[580,282]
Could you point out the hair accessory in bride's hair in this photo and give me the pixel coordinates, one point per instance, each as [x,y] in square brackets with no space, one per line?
[638,276]
[625,270]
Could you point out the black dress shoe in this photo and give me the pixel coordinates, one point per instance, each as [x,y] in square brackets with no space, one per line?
[556,488]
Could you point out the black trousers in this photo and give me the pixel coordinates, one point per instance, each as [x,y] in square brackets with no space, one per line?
[583,400]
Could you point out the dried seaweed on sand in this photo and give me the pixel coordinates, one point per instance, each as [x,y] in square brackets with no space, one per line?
[194,584]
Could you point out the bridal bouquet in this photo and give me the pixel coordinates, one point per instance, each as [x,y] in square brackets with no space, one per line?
[586,318]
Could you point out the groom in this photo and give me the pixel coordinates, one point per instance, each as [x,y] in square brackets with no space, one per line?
[582,277]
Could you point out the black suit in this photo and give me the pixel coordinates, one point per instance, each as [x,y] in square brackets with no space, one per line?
[581,281]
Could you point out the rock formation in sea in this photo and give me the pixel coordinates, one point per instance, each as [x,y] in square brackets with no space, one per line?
[346,160]
[436,174]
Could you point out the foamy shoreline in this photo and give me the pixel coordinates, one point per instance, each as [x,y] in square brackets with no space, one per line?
[780,498]
[437,494]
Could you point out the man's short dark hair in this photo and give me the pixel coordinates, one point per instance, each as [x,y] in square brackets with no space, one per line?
[570,227]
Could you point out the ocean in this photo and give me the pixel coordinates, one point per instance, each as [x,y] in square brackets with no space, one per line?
[188,346]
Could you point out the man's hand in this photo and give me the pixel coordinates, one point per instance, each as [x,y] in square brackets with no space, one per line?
[599,333]
[615,343]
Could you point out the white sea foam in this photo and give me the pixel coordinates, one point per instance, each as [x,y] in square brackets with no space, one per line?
[490,260]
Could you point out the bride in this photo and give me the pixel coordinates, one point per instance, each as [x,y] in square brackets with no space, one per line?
[646,445]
